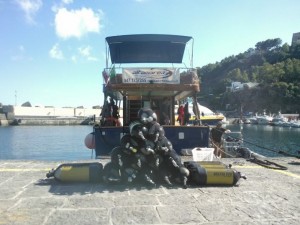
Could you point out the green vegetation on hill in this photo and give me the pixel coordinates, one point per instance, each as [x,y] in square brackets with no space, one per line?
[275,67]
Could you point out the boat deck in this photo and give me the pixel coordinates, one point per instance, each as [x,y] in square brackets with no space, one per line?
[267,197]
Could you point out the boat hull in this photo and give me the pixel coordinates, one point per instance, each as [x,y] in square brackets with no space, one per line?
[181,137]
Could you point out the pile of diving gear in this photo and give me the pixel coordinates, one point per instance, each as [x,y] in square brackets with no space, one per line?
[145,156]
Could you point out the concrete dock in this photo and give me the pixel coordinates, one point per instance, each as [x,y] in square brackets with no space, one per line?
[268,196]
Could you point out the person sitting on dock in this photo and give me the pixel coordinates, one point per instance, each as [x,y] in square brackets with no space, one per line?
[216,135]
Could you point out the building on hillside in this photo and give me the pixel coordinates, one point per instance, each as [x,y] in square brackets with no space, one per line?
[238,86]
[250,85]
[296,38]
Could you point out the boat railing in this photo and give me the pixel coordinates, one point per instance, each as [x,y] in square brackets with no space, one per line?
[232,140]
[156,75]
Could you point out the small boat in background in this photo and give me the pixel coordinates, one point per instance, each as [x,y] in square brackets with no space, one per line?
[264,119]
[246,121]
[261,119]
[207,116]
[279,120]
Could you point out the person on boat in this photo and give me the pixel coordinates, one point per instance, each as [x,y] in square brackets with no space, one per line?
[216,137]
[106,114]
[180,113]
[114,112]
[166,120]
[187,114]
[165,111]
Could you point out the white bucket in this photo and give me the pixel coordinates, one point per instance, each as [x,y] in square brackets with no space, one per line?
[203,154]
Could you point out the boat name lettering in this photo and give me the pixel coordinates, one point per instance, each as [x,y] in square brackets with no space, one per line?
[135,80]
[150,75]
[152,72]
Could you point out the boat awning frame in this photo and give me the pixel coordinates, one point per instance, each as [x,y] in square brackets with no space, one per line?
[147,48]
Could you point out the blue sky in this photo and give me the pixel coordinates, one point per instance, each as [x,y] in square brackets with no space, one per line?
[52,52]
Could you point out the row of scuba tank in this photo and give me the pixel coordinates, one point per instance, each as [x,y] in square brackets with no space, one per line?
[201,173]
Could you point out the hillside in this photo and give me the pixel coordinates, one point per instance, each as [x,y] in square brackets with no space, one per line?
[276,69]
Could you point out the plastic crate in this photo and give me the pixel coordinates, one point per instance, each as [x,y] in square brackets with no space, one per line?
[203,154]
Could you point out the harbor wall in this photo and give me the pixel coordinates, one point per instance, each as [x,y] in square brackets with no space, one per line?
[55,112]
[21,115]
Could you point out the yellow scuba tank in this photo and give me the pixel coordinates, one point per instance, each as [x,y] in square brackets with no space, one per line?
[77,172]
[212,164]
[212,173]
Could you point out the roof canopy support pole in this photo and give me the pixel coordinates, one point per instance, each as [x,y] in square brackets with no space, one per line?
[107,54]
[196,108]
[192,57]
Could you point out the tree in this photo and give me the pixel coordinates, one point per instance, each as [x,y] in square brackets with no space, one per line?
[268,44]
[275,68]
[26,104]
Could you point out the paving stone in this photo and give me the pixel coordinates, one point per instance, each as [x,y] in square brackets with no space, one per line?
[78,216]
[134,215]
[266,197]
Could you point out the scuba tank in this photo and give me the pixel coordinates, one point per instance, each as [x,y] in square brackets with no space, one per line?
[212,173]
[213,164]
[77,172]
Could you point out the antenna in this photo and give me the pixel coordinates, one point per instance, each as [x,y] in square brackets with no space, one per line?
[192,57]
[16,97]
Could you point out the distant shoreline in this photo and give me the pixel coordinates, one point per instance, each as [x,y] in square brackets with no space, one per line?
[47,121]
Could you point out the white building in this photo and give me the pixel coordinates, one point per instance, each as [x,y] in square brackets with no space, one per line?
[238,86]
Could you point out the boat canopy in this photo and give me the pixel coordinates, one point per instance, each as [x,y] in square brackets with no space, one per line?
[147,48]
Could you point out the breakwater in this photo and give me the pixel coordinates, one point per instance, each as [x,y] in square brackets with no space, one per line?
[21,115]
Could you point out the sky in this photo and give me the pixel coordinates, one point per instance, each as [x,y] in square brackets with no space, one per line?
[52,53]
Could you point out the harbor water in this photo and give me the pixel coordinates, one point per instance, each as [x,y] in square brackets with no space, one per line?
[268,140]
[66,143]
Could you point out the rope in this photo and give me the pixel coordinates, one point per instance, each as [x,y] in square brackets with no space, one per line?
[278,152]
[265,163]
[220,149]
[268,149]
[268,164]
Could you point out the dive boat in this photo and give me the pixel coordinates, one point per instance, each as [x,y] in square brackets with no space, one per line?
[147,70]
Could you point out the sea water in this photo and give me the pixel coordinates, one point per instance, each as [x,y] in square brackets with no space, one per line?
[268,140]
[61,143]
[44,142]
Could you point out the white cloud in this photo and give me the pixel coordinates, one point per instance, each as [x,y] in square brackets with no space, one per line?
[74,59]
[67,1]
[86,53]
[30,8]
[56,6]
[76,23]
[56,53]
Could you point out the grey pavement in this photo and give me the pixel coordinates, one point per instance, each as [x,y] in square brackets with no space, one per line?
[267,197]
